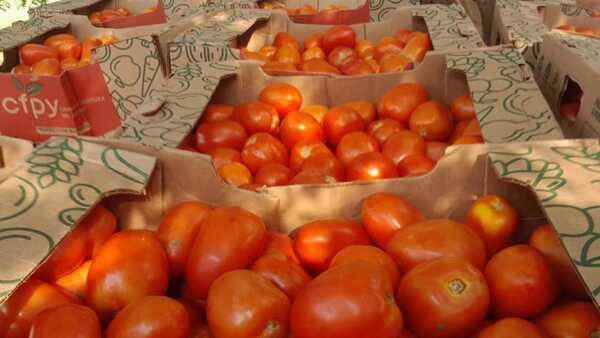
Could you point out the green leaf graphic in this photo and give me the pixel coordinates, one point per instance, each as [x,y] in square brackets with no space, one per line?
[45,181]
[34,88]
[18,84]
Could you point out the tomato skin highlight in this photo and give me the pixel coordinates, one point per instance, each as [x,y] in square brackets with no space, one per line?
[370,254]
[495,220]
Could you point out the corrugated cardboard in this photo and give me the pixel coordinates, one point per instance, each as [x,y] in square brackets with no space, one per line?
[12,151]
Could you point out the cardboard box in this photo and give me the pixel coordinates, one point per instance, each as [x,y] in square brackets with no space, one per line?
[556,16]
[355,12]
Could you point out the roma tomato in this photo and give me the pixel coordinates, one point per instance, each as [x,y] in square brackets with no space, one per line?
[338,36]
[465,128]
[357,67]
[66,257]
[313,53]
[463,108]
[370,166]
[365,109]
[319,66]
[305,149]
[522,283]
[99,224]
[570,320]
[67,46]
[402,144]
[151,317]
[341,57]
[388,45]
[312,177]
[435,150]
[369,254]
[288,54]
[299,126]
[178,230]
[383,129]
[76,281]
[432,120]
[257,117]
[284,97]
[69,63]
[383,214]
[317,111]
[436,238]
[354,144]
[283,38]
[350,300]
[399,102]
[495,220]
[325,164]
[340,121]
[217,112]
[229,239]
[262,149]
[32,53]
[288,276]
[243,304]
[250,55]
[217,134]
[512,327]
[394,63]
[281,246]
[134,258]
[415,165]
[273,175]
[444,298]
[268,52]
[316,243]
[87,48]
[276,66]
[69,320]
[365,49]
[222,155]
[313,40]
[236,174]
[46,67]
[418,44]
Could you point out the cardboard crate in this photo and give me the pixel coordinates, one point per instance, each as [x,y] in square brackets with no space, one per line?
[355,12]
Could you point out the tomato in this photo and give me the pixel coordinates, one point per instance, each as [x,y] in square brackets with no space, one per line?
[313,53]
[67,45]
[69,63]
[283,39]
[512,327]
[243,304]
[312,177]
[223,155]
[435,150]
[66,257]
[468,140]
[131,264]
[402,144]
[108,39]
[307,10]
[382,129]
[262,149]
[570,320]
[388,45]
[276,66]
[436,238]
[316,243]
[443,298]
[313,40]
[216,134]
[522,283]
[250,55]
[21,69]
[357,67]
[257,117]
[268,52]
[368,254]
[342,57]
[354,144]
[88,46]
[399,102]
[76,281]
[286,275]
[18,311]
[402,36]
[432,120]
[299,126]
[273,175]
[99,225]
[325,164]
[365,49]
[416,47]
[229,239]
[568,110]
[338,36]
[305,149]
[32,53]
[587,31]
[288,54]
[394,63]
[177,232]
[383,214]
[284,97]
[46,67]
[370,166]
[317,111]
[415,165]
[69,320]
[350,300]
[566,27]
[406,334]
[495,220]
[319,66]
[365,109]
[463,108]
[340,121]
[151,317]
[235,173]
[196,313]
[545,239]
[465,128]
[281,246]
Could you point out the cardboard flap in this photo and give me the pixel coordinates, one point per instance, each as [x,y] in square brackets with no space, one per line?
[521,115]
[381,10]
[586,48]
[41,202]
[12,151]
[565,176]
[205,52]
[62,6]
[524,25]
[21,32]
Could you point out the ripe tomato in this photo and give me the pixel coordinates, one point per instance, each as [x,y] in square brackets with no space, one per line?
[432,120]
[32,297]
[545,239]
[235,173]
[415,165]
[262,149]
[67,45]
[365,49]
[443,298]
[69,320]
[46,67]
[570,320]
[566,28]
[369,254]
[358,67]
[284,97]
[325,164]
[99,225]
[216,134]
[273,175]
[305,149]
[463,108]
[342,57]
[339,121]
[66,257]
[307,10]
[313,40]
[382,129]
[402,36]
[151,317]
[223,155]
[229,239]
[32,53]
[243,304]
[316,243]
[134,258]
[338,36]
[436,238]
[250,55]
[522,283]
[257,117]
[316,111]
[283,39]
[276,66]
[370,166]
[312,177]
[388,45]
[435,150]
[495,220]
[299,126]
[177,232]
[313,53]
[69,63]
[587,31]
[76,281]
[365,109]
[354,144]
[383,214]
[288,276]
[288,54]
[418,44]
[350,300]
[281,246]
[399,102]
[402,144]
[319,66]
[21,69]
[374,65]
[268,52]
[512,327]
[406,334]
[87,48]
[394,63]
[465,128]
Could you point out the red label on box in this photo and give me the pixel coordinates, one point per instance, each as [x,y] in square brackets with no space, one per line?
[347,17]
[157,16]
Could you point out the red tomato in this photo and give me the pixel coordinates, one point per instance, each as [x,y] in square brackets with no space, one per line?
[268,52]
[313,53]
[99,224]
[399,102]
[391,62]
[319,66]
[350,300]
[229,239]
[570,320]
[444,298]
[288,276]
[365,109]
[69,320]
[134,258]
[222,155]
[87,48]
[273,175]
[435,150]
[32,297]
[235,173]
[365,49]
[243,304]
[325,164]
[32,53]
[262,149]
[512,327]
[358,67]
[354,144]
[284,97]
[276,66]
[370,166]
[178,230]
[388,45]
[299,126]
[465,128]
[288,54]
[69,63]
[250,55]
[415,165]
[383,214]
[382,129]
[463,108]
[495,220]
[402,35]
[340,121]
[341,57]
[67,45]
[402,144]
[406,334]
[257,117]
[76,281]
[316,243]
[468,140]
[281,246]
[46,67]
[369,254]
[305,149]
[317,111]
[338,36]
[312,177]
[66,257]
[216,134]
[313,40]
[283,38]
[418,44]
[436,238]
[432,120]
[151,317]
[522,283]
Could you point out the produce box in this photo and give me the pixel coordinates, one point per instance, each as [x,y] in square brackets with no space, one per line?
[329,12]
[563,16]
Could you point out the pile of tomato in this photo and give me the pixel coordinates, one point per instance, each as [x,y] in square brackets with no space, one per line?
[336,51]
[58,53]
[99,18]
[581,30]
[304,10]
[220,273]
